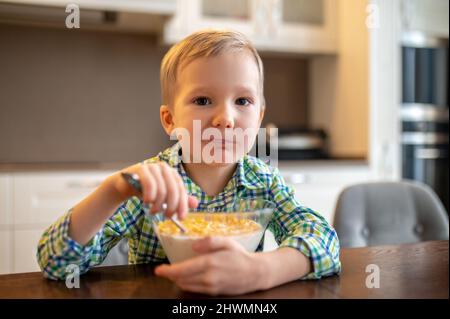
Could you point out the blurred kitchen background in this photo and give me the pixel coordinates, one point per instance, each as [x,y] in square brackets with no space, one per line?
[357,89]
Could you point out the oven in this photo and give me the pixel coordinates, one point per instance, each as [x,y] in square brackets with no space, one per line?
[424,112]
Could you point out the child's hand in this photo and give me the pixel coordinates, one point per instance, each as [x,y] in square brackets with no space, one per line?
[225,267]
[160,184]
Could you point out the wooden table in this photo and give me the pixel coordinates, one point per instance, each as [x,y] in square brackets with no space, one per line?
[406,271]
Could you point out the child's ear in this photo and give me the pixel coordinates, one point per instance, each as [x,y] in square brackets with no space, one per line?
[166,117]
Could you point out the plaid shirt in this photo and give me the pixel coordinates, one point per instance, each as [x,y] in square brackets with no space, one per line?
[293,225]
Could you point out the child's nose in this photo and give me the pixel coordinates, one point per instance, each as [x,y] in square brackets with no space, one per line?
[223,118]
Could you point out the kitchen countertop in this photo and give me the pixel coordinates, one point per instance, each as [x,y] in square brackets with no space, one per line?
[36,167]
[332,162]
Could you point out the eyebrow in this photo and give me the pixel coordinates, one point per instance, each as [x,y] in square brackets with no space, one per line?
[238,88]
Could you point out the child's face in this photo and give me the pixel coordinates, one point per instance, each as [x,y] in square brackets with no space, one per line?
[223,93]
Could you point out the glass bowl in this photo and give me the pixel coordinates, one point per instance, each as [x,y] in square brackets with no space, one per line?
[244,222]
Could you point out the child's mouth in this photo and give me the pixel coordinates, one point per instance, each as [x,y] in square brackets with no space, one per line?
[223,143]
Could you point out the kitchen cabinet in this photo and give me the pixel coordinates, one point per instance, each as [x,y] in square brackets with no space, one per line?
[299,26]
[34,201]
[317,185]
[40,197]
[193,15]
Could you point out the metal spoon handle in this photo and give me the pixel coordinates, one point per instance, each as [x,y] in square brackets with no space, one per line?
[134,181]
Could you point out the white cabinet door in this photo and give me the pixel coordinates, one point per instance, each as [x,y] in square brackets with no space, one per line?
[6,256]
[193,15]
[302,26]
[40,198]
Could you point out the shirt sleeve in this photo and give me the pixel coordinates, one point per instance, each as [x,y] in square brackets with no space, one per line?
[56,250]
[302,228]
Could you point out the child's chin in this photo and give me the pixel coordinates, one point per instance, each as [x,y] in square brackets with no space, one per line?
[225,161]
[220,164]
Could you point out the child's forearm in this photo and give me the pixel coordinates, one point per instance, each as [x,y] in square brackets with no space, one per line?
[89,216]
[281,266]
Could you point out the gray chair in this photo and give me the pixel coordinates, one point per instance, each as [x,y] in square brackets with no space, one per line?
[382,213]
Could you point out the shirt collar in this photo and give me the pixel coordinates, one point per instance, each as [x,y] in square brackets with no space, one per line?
[245,175]
[172,155]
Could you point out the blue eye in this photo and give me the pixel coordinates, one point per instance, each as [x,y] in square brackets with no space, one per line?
[242,101]
[202,101]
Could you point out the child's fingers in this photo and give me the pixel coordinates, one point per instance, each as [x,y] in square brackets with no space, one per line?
[211,244]
[186,268]
[148,183]
[173,195]
[161,190]
[162,184]
[192,201]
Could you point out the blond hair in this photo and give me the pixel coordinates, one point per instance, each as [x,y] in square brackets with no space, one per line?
[204,43]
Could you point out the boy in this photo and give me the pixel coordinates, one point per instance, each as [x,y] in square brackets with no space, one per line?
[215,79]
